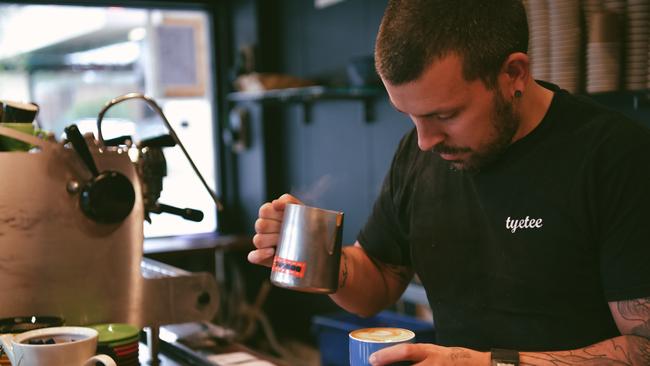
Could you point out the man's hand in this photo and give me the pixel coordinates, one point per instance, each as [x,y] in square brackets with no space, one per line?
[430,354]
[267,228]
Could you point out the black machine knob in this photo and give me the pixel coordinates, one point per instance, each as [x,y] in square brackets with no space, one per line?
[109,196]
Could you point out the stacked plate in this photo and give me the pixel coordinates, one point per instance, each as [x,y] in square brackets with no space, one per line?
[120,342]
[539,44]
[603,52]
[564,22]
[636,44]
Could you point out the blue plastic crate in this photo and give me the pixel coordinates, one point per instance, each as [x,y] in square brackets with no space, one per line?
[332,331]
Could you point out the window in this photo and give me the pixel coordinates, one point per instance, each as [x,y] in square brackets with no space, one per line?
[80,57]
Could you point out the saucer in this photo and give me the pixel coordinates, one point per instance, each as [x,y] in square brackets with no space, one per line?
[115,333]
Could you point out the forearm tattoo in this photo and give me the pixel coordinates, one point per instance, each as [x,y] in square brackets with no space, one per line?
[344,272]
[402,272]
[620,351]
[631,349]
[638,311]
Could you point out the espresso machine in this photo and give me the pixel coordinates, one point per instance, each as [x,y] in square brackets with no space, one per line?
[71,232]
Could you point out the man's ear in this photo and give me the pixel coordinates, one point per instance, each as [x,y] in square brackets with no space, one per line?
[515,73]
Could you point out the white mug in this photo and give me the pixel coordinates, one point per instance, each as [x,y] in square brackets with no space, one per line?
[74,346]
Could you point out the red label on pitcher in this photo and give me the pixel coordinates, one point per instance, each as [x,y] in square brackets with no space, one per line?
[294,268]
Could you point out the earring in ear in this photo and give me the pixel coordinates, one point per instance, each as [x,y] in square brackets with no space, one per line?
[517,93]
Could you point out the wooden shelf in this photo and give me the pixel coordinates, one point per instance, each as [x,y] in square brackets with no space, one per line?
[309,95]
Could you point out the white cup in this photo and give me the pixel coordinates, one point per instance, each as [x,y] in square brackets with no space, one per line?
[74,346]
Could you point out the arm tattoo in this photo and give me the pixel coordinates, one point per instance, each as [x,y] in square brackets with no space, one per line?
[402,272]
[405,274]
[620,351]
[643,346]
[637,310]
[344,274]
[631,349]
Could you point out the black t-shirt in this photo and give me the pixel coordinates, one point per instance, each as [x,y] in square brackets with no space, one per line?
[526,253]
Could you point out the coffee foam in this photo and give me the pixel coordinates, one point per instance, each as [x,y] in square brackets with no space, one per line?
[382,334]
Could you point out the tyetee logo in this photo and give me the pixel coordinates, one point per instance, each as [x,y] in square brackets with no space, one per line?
[526,223]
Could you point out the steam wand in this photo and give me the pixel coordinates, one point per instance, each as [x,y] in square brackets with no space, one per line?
[172,133]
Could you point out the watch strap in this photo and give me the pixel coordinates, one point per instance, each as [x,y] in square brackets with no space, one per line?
[504,357]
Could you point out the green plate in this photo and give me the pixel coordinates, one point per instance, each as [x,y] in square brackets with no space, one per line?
[115,332]
[121,343]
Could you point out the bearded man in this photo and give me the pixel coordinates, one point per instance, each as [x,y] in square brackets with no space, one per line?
[522,208]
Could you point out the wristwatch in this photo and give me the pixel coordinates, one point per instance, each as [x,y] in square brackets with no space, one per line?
[504,357]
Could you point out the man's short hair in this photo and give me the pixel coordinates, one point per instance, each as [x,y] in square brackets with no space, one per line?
[415,33]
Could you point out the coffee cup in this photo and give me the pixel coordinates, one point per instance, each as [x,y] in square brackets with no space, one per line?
[55,346]
[308,254]
[366,341]
[20,324]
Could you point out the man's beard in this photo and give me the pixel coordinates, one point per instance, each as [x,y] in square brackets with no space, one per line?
[505,122]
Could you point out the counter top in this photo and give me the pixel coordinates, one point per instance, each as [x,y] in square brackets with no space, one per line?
[197,242]
[199,349]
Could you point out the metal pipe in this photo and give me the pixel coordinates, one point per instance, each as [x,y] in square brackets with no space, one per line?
[153,105]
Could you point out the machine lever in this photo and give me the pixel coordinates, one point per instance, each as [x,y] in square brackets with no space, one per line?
[186,213]
[117,141]
[76,138]
[158,141]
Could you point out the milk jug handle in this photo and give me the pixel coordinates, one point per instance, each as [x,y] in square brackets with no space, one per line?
[336,240]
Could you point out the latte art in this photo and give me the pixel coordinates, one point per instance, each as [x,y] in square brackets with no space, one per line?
[382,334]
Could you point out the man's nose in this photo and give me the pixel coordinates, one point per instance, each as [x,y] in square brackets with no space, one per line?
[429,135]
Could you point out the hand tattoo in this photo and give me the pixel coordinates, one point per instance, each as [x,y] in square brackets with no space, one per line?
[459,353]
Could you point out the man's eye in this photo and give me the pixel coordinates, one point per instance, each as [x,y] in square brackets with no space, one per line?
[445,116]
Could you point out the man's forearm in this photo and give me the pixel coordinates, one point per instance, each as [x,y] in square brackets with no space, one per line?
[365,289]
[624,350]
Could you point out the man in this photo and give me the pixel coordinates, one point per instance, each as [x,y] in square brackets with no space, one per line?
[522,208]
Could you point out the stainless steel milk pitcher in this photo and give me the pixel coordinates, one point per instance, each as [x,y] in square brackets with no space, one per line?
[309,250]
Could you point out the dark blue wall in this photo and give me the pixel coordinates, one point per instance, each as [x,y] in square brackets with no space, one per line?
[338,160]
